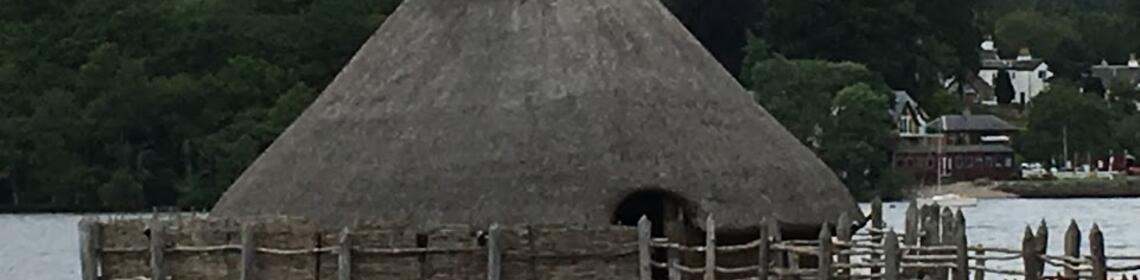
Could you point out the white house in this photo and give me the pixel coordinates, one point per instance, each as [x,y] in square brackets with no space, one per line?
[1028,74]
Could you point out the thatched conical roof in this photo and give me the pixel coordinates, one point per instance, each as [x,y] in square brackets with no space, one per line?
[542,111]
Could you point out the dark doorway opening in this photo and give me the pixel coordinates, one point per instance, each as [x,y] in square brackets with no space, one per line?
[665,212]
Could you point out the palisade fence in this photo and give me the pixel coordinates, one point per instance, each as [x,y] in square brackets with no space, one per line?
[166,247]
[933,245]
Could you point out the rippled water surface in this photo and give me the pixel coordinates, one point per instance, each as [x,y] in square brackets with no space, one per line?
[46,246]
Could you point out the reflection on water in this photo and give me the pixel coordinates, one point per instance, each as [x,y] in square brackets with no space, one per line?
[46,246]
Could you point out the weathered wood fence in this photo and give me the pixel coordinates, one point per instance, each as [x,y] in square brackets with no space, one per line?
[933,245]
[295,249]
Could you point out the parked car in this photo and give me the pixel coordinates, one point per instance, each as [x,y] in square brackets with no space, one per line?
[1033,171]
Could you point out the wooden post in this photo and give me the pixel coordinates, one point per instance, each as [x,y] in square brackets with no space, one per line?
[877,224]
[891,262]
[980,274]
[1096,250]
[248,252]
[676,231]
[710,248]
[823,270]
[644,236]
[762,259]
[910,237]
[89,248]
[344,255]
[877,213]
[1072,247]
[843,229]
[947,236]
[1028,255]
[962,272]
[674,261]
[929,238]
[1042,240]
[948,223]
[774,232]
[494,255]
[780,259]
[157,248]
[912,220]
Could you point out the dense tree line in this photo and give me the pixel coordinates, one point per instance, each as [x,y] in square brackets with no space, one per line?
[125,104]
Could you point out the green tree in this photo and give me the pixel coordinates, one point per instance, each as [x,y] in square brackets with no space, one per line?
[123,104]
[1128,134]
[1064,111]
[893,38]
[792,91]
[1040,33]
[943,103]
[953,22]
[1123,98]
[1101,34]
[1003,88]
[855,139]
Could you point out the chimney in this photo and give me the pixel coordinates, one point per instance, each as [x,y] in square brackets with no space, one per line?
[1024,55]
[1132,63]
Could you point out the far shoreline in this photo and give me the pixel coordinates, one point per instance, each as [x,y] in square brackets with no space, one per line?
[1044,189]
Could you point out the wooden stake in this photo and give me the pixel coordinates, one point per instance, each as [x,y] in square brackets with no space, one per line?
[157,249]
[1042,238]
[876,223]
[675,231]
[962,272]
[710,248]
[843,230]
[1072,247]
[644,236]
[344,255]
[494,255]
[910,237]
[823,270]
[929,237]
[89,248]
[780,259]
[248,252]
[947,236]
[980,274]
[1096,250]
[912,220]
[891,262]
[1028,255]
[762,259]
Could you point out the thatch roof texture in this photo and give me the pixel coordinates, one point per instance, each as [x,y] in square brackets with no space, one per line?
[542,111]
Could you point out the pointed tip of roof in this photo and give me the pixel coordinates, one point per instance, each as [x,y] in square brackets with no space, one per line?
[541,111]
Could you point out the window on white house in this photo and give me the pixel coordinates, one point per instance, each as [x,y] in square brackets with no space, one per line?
[1041,74]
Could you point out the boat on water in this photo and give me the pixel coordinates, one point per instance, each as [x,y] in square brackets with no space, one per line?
[949,200]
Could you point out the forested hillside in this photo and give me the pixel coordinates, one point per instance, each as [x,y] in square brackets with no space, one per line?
[126,104]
